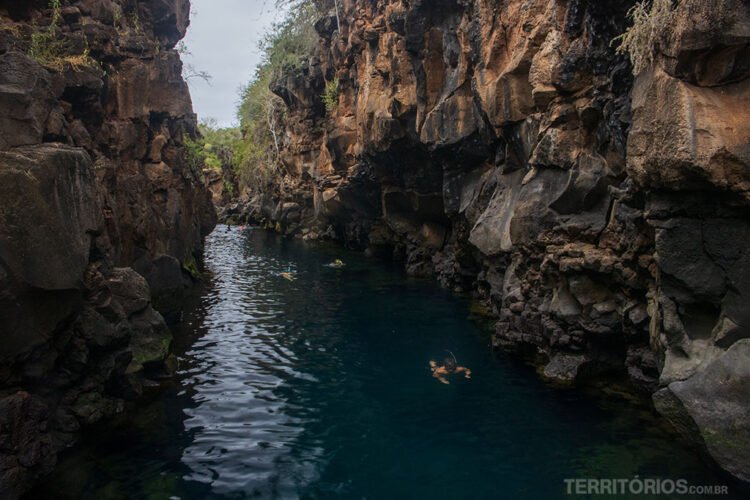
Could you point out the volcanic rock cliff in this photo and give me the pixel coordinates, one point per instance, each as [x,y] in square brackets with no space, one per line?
[98,209]
[505,146]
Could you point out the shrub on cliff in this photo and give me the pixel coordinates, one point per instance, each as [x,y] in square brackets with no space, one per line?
[330,96]
[49,49]
[642,40]
[260,113]
[287,47]
[288,44]
[214,149]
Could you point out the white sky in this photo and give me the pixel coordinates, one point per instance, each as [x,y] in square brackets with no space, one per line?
[223,41]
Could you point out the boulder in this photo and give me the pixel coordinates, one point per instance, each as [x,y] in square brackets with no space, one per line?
[711,406]
[686,137]
[166,280]
[130,289]
[566,368]
[49,213]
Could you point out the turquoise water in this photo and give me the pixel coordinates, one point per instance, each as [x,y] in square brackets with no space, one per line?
[319,388]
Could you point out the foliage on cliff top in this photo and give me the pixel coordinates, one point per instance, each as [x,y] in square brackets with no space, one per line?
[642,40]
[214,149]
[260,113]
[286,47]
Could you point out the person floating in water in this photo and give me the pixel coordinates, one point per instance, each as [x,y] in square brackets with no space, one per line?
[336,264]
[449,367]
[288,274]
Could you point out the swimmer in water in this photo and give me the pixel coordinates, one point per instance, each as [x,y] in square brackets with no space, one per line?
[336,264]
[288,274]
[448,368]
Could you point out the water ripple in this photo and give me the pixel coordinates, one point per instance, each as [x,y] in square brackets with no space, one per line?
[243,426]
[319,388]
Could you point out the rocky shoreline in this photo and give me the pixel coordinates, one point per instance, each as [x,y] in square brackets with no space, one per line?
[506,148]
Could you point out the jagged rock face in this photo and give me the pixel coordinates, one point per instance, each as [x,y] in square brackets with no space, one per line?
[50,208]
[131,115]
[77,334]
[93,184]
[493,143]
[689,149]
[484,141]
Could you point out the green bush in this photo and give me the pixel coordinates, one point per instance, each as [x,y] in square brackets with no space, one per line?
[287,47]
[213,149]
[193,154]
[228,187]
[330,96]
[652,20]
[289,43]
[257,159]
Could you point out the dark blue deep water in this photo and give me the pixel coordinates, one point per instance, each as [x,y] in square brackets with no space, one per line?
[319,388]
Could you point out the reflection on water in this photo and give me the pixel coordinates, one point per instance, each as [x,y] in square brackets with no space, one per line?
[244,426]
[319,388]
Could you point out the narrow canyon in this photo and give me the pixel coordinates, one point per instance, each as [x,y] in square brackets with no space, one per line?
[594,201]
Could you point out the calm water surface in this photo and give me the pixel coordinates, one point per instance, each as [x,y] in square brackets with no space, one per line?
[319,388]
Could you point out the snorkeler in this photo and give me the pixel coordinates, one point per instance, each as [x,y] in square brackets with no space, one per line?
[288,274]
[449,367]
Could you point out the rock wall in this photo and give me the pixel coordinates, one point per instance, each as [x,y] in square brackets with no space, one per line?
[97,209]
[505,146]
[689,151]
